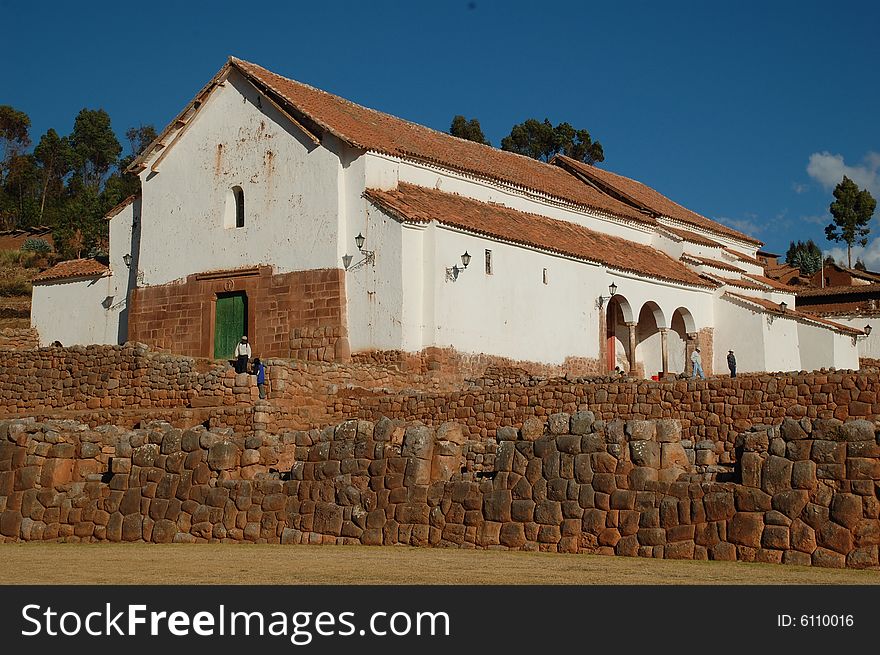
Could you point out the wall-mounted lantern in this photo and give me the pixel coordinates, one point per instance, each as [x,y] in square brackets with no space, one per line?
[453,273]
[127,259]
[868,329]
[612,291]
[369,255]
[783,306]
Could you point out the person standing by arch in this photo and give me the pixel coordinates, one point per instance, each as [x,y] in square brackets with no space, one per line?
[697,361]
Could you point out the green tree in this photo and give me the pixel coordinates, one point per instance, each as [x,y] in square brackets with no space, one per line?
[804,256]
[538,140]
[54,156]
[852,210]
[19,201]
[94,146]
[14,126]
[121,185]
[468,129]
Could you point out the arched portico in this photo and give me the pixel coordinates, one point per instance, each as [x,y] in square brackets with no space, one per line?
[651,334]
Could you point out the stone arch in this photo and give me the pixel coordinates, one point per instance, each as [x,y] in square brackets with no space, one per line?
[618,318]
[681,328]
[649,339]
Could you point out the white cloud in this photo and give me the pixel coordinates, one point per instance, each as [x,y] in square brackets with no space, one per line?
[828,170]
[870,254]
[799,188]
[746,225]
[817,219]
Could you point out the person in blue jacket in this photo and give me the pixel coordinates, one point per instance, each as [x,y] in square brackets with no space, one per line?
[260,372]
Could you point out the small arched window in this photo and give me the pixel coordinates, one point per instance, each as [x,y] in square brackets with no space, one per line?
[233,214]
[238,196]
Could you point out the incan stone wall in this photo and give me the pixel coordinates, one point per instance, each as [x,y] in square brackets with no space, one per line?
[122,383]
[570,483]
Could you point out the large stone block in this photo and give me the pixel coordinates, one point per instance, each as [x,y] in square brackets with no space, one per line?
[641,430]
[145,455]
[746,528]
[672,455]
[668,431]
[418,442]
[548,512]
[497,506]
[532,429]
[791,502]
[512,535]
[645,453]
[582,422]
[223,456]
[328,519]
[558,423]
[776,475]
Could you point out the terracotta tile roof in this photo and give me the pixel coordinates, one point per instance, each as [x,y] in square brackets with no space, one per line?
[858,308]
[840,290]
[745,284]
[774,308]
[646,197]
[771,282]
[743,257]
[122,205]
[714,263]
[418,204]
[374,130]
[693,237]
[73,268]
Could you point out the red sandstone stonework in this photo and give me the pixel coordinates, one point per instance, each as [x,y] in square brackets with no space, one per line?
[283,311]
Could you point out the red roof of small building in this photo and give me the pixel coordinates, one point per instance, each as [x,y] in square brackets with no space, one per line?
[122,205]
[72,268]
[412,203]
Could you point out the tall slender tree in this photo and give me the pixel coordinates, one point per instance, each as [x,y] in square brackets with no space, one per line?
[54,157]
[852,210]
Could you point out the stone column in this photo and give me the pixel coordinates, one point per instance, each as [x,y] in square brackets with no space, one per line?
[689,346]
[632,347]
[664,352]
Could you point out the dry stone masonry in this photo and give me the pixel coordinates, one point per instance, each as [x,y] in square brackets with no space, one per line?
[804,492]
[125,384]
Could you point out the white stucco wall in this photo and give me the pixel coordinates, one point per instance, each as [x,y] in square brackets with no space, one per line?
[846,352]
[742,330]
[71,311]
[867,346]
[124,240]
[405,300]
[824,348]
[290,193]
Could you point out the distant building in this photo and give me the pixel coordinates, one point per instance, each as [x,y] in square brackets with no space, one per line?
[325,230]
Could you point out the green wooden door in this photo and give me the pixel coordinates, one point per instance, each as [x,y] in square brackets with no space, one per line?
[230,323]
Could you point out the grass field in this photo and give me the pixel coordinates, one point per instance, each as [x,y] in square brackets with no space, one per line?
[57,563]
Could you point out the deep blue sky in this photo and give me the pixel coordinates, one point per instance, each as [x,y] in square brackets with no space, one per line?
[721,106]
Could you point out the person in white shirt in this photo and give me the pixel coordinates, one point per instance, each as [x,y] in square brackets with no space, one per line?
[242,354]
[697,361]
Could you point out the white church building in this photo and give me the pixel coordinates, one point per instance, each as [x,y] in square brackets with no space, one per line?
[324,230]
